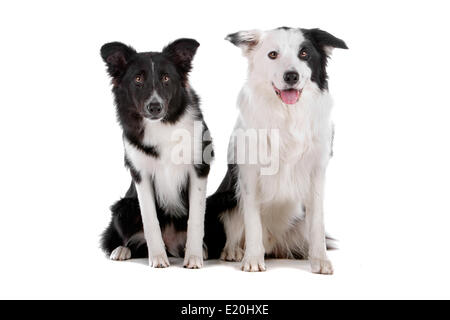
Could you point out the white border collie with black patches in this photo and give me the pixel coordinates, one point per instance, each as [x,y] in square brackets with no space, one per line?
[281,215]
[164,208]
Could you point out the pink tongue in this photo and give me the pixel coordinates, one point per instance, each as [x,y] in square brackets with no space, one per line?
[290,96]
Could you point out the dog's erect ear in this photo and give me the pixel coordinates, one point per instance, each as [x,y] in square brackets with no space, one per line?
[116,56]
[181,52]
[324,39]
[246,40]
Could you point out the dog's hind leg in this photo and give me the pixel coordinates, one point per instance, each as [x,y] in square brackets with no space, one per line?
[111,239]
[123,238]
[234,229]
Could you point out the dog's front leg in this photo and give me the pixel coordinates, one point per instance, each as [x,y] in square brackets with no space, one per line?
[254,248]
[193,258]
[157,256]
[315,224]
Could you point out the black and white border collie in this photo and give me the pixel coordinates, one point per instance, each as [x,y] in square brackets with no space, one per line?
[280,214]
[167,151]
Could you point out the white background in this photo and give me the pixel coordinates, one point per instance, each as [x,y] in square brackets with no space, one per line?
[62,159]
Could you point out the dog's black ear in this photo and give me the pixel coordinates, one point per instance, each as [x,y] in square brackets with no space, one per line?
[246,40]
[116,56]
[181,52]
[324,39]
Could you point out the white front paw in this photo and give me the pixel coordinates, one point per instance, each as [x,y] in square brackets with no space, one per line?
[193,261]
[234,253]
[193,257]
[321,266]
[120,254]
[158,261]
[253,263]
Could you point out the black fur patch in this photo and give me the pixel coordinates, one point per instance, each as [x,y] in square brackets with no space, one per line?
[203,169]
[181,52]
[316,42]
[324,39]
[117,56]
[225,197]
[148,150]
[177,108]
[234,38]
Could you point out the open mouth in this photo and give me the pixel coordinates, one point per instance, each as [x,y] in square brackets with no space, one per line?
[289,96]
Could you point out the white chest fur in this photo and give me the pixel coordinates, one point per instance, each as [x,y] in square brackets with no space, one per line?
[168,171]
[304,140]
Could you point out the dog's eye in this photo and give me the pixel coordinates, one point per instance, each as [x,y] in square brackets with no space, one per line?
[138,79]
[304,54]
[273,55]
[165,78]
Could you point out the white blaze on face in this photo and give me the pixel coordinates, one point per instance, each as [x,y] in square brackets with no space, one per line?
[155,98]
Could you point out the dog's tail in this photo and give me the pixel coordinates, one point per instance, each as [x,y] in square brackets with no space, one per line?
[223,200]
[220,202]
[214,239]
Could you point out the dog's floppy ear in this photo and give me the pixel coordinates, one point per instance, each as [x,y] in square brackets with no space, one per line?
[181,52]
[324,40]
[116,56]
[246,40]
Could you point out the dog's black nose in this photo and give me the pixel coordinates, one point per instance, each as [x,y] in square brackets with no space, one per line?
[154,109]
[291,77]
